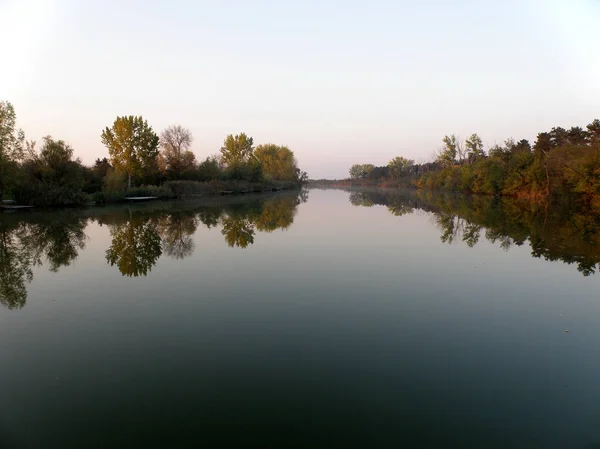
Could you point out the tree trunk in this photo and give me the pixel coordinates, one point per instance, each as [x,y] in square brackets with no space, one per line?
[129,181]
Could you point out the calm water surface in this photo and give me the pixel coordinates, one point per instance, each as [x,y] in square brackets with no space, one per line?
[330,319]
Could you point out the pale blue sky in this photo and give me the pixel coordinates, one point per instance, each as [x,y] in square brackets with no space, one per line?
[338,81]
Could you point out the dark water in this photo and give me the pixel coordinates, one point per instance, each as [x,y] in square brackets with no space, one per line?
[321,320]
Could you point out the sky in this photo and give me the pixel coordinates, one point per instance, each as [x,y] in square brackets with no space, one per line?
[337,81]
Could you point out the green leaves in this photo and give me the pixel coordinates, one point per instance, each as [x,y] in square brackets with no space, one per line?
[399,166]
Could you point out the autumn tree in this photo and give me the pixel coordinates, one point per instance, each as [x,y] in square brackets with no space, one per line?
[278,162]
[236,149]
[176,157]
[132,145]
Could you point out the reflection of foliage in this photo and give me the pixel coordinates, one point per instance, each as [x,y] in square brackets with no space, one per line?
[559,232]
[176,230]
[361,199]
[15,269]
[24,243]
[59,240]
[398,209]
[471,234]
[448,227]
[238,231]
[136,246]
[302,196]
[138,238]
[209,216]
[277,213]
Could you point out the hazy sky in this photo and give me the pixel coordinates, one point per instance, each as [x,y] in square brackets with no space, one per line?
[338,81]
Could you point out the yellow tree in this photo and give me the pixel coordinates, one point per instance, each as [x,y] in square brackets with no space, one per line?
[278,162]
[132,145]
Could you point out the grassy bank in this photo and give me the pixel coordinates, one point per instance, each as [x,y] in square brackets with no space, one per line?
[191,189]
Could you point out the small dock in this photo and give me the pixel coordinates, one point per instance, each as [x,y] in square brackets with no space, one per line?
[14,207]
[133,199]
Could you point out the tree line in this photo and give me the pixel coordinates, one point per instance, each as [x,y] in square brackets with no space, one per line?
[137,156]
[561,163]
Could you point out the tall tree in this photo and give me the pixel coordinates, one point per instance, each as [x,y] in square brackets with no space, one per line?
[236,149]
[474,147]
[175,142]
[543,144]
[593,131]
[450,151]
[132,145]
[12,144]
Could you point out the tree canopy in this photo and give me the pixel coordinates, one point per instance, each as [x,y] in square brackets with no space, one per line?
[176,157]
[237,149]
[278,162]
[132,145]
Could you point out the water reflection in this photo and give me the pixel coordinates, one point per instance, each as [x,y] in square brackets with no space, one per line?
[139,235]
[56,240]
[564,233]
[136,245]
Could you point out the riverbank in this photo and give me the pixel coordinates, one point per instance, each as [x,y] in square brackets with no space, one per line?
[172,190]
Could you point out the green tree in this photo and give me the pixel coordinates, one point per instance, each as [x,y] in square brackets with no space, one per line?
[474,147]
[593,131]
[52,177]
[12,146]
[237,149]
[361,171]
[399,167]
[209,169]
[132,145]
[450,151]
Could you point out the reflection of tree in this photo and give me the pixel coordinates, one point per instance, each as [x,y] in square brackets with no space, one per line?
[302,196]
[238,231]
[361,199]
[136,246]
[241,221]
[447,226]
[566,232]
[176,230]
[25,243]
[15,269]
[471,234]
[276,213]
[209,216]
[59,240]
